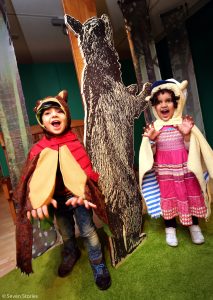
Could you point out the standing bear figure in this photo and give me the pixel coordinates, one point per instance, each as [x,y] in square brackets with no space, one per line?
[110,110]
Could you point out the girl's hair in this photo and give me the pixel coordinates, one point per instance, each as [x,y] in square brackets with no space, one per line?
[154,99]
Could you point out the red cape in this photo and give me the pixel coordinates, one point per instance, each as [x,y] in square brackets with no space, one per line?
[75,147]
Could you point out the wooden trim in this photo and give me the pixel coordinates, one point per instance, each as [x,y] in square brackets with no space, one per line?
[2,140]
[80,10]
[7,190]
[36,129]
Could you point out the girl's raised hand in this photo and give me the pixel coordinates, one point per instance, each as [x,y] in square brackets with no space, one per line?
[150,132]
[186,126]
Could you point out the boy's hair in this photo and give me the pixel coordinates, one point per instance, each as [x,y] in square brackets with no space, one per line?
[154,99]
[45,106]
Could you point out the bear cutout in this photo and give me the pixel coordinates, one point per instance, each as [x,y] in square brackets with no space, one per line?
[110,110]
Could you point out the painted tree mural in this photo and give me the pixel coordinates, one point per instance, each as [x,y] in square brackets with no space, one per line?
[141,42]
[15,125]
[13,114]
[181,59]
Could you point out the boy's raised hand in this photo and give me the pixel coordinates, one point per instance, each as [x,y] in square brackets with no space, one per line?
[41,212]
[150,132]
[80,201]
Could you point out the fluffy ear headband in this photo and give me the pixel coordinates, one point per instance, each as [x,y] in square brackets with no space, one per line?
[168,84]
[58,101]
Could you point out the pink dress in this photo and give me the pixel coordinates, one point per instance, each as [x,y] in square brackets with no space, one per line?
[181,194]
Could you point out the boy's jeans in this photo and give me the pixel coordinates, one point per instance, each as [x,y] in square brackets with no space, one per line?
[66,225]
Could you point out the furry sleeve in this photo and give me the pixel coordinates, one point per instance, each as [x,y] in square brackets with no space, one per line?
[24,235]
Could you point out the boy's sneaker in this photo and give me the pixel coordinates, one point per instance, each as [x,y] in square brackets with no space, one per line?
[101,275]
[171,238]
[196,234]
[68,261]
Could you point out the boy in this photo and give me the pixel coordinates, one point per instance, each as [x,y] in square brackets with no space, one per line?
[59,172]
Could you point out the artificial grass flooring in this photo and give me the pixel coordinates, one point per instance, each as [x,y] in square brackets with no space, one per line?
[153,271]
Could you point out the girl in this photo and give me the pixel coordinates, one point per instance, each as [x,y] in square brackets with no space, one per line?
[172,148]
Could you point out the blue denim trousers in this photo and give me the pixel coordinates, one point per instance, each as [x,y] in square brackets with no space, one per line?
[66,225]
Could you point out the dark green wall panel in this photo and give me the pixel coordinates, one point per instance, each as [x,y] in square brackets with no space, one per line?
[199,28]
[163,59]
[42,80]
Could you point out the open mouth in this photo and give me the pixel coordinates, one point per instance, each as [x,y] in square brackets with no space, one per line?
[165,112]
[56,123]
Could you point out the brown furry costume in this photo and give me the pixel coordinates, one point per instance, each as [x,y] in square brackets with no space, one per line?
[24,234]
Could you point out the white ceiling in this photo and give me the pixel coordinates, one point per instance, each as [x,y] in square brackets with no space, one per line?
[37,40]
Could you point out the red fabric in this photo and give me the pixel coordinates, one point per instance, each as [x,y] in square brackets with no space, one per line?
[71,141]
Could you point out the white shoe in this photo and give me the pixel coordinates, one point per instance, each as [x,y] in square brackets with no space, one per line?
[171,238]
[196,234]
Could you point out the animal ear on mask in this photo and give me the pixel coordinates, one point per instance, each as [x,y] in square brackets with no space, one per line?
[73,24]
[183,85]
[64,95]
[108,28]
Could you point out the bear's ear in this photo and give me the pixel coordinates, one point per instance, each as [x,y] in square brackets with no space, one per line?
[108,29]
[64,95]
[73,25]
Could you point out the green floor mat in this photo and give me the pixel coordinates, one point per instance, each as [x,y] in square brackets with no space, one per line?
[153,271]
